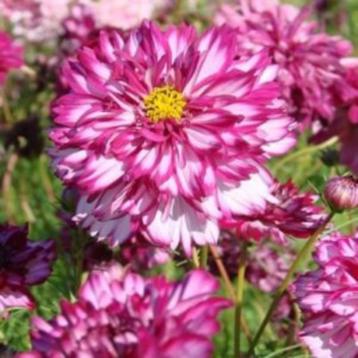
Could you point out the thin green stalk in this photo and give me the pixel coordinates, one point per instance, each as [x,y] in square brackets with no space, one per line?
[223,272]
[6,187]
[229,287]
[6,107]
[239,299]
[195,258]
[283,350]
[304,151]
[305,251]
[204,257]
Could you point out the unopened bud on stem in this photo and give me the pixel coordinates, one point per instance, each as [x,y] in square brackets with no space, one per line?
[341,193]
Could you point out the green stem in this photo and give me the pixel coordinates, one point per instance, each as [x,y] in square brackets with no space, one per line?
[229,287]
[283,350]
[239,299]
[306,249]
[195,258]
[223,272]
[204,257]
[304,151]
[6,107]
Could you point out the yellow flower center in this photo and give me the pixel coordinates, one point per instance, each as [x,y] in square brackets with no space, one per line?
[164,103]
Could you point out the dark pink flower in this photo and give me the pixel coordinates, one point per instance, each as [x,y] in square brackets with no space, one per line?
[11,56]
[79,24]
[122,314]
[289,213]
[345,124]
[165,132]
[140,255]
[328,298]
[309,60]
[23,263]
[267,264]
[35,20]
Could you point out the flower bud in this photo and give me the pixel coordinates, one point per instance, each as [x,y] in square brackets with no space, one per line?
[341,193]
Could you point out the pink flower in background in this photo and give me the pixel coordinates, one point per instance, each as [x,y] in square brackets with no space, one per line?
[11,56]
[267,264]
[35,20]
[165,132]
[309,60]
[42,20]
[23,263]
[140,255]
[124,14]
[79,24]
[122,314]
[345,125]
[328,298]
[291,213]
[137,253]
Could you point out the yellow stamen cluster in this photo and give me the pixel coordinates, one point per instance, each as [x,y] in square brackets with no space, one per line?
[164,103]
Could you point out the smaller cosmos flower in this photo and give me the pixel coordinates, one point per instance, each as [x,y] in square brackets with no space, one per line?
[341,193]
[43,20]
[309,60]
[11,56]
[345,124]
[267,264]
[124,14]
[289,213]
[141,255]
[137,253]
[328,299]
[79,25]
[35,20]
[23,263]
[121,314]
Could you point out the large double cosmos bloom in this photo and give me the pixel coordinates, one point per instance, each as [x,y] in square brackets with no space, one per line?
[166,132]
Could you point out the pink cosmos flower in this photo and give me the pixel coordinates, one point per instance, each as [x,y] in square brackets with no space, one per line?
[309,60]
[124,14]
[345,125]
[10,56]
[122,314]
[79,24]
[291,213]
[41,20]
[137,254]
[140,255]
[23,263]
[328,298]
[35,20]
[165,131]
[267,264]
